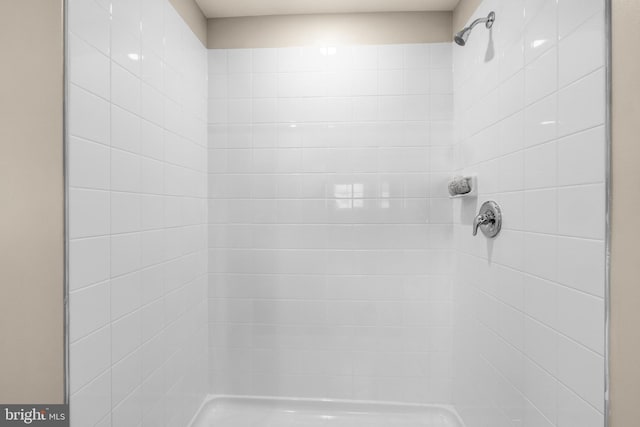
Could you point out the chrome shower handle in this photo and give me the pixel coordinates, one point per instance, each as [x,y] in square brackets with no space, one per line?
[482,219]
[489,219]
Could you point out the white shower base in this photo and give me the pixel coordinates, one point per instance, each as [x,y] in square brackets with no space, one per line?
[227,411]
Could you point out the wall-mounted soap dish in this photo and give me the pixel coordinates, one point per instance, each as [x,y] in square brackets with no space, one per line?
[463,186]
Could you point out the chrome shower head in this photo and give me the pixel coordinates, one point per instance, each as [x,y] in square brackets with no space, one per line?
[462,36]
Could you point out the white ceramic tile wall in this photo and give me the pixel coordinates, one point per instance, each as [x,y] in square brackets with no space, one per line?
[332,244]
[138,212]
[529,307]
[330,228]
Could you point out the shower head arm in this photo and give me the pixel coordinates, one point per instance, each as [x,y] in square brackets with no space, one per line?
[488,21]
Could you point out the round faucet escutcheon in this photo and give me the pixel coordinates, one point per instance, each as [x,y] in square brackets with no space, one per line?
[488,220]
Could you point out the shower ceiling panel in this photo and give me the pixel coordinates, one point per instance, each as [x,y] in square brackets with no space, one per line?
[236,8]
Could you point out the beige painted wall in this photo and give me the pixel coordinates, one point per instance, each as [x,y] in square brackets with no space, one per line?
[31,202]
[625,237]
[463,12]
[357,28]
[193,16]
[231,9]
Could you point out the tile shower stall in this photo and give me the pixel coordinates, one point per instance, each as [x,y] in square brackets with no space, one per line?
[276,223]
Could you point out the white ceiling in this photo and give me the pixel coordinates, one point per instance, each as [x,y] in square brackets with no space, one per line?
[234,8]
